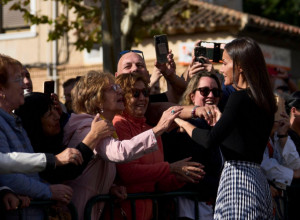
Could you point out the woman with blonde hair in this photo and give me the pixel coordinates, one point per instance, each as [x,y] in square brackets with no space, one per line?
[191,89]
[95,93]
[203,89]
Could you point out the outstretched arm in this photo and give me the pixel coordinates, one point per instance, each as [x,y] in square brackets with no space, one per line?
[176,84]
[18,162]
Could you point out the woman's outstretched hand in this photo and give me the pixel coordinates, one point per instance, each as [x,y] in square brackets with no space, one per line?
[185,126]
[210,113]
[166,120]
[188,171]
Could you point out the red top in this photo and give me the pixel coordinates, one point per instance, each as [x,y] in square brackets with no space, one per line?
[148,174]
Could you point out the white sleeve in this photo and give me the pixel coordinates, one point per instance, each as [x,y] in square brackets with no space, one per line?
[290,154]
[274,171]
[18,162]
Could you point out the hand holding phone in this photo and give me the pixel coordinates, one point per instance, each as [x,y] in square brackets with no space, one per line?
[161,48]
[199,52]
[213,51]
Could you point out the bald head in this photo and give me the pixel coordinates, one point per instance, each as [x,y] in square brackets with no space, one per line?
[132,63]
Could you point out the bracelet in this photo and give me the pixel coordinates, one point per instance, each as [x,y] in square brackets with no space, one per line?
[282,135]
[194,110]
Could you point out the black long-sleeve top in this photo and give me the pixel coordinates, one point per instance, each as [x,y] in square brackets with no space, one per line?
[178,145]
[69,171]
[242,131]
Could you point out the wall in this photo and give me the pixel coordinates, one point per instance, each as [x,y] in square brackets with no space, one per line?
[74,69]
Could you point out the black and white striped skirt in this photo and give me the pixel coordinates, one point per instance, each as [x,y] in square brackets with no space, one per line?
[243,193]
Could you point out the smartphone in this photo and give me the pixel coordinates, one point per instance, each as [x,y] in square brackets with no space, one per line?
[161,48]
[49,87]
[213,51]
[199,52]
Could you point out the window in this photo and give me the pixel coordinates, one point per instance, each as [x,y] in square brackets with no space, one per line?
[95,56]
[12,24]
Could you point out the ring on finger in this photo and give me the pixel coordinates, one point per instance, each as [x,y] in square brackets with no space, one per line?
[74,156]
[209,112]
[173,112]
[187,173]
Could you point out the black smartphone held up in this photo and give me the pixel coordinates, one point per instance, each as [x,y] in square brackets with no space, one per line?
[199,52]
[161,48]
[49,87]
[213,51]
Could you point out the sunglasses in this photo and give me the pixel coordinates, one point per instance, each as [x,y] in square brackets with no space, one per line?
[136,92]
[127,51]
[204,91]
[115,87]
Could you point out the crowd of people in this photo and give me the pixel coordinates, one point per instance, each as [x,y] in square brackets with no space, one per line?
[228,135]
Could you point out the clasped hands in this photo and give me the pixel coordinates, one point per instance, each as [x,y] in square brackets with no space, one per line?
[210,113]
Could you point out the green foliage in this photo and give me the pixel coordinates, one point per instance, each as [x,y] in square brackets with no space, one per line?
[86,25]
[287,11]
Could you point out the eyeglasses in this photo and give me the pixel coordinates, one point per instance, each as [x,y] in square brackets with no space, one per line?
[115,87]
[18,80]
[204,91]
[136,92]
[127,51]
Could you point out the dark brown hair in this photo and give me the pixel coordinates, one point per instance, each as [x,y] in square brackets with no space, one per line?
[247,55]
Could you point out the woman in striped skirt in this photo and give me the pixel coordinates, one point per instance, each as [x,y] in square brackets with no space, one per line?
[242,131]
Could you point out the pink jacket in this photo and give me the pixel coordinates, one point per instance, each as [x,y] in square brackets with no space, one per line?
[99,175]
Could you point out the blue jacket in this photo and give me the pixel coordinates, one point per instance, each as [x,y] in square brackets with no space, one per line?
[13,138]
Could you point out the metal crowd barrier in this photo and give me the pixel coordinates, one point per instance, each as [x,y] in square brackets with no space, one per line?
[109,200]
[45,205]
[294,190]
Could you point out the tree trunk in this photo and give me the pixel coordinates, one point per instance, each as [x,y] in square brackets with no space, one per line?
[111,34]
[126,41]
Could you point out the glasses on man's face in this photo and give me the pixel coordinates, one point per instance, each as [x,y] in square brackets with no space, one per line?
[136,92]
[204,91]
[127,51]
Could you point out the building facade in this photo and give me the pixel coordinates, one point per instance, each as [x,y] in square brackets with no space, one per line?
[59,60]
